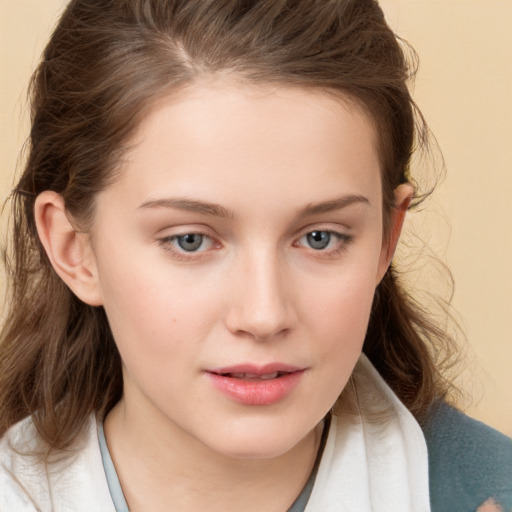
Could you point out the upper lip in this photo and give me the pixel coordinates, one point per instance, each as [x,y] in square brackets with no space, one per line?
[255,369]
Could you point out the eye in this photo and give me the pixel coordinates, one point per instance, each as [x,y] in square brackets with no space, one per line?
[190,242]
[318,239]
[324,240]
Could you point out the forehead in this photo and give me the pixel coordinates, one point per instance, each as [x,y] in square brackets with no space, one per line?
[223,102]
[233,139]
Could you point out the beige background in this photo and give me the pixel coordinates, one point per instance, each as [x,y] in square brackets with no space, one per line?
[464,88]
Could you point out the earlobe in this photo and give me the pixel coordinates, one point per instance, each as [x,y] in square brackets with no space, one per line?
[68,250]
[403,197]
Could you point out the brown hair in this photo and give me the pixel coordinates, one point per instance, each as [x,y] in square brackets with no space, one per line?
[105,64]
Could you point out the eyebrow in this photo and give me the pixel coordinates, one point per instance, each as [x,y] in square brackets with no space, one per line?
[334,204]
[219,211]
[189,206]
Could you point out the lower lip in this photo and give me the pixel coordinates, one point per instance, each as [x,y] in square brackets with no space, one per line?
[256,392]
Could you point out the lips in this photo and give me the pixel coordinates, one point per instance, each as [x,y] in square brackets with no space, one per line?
[256,385]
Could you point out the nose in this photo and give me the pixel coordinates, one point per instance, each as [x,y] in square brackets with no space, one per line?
[262,300]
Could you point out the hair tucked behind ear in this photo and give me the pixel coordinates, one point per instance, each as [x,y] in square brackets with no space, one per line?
[58,360]
[106,64]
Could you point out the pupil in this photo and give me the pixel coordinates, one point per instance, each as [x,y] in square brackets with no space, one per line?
[190,242]
[319,239]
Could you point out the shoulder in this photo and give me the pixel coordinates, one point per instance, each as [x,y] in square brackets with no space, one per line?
[74,480]
[469,462]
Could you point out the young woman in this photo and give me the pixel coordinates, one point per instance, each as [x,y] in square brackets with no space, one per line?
[204,314]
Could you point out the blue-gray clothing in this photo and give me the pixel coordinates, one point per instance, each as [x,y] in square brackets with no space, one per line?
[469,462]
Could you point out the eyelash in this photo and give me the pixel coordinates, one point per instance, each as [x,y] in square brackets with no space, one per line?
[181,255]
[342,242]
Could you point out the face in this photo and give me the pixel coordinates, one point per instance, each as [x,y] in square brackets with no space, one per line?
[236,258]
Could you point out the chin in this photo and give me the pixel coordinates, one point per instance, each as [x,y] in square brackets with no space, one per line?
[259,441]
[256,451]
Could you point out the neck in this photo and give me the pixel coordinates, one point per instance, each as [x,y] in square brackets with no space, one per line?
[158,466]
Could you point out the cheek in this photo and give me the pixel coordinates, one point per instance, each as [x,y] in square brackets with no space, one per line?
[337,325]
[339,317]
[151,309]
[344,296]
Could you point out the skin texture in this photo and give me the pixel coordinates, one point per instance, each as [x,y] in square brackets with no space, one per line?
[278,164]
[490,505]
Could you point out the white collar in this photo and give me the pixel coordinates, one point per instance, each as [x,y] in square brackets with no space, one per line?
[375,458]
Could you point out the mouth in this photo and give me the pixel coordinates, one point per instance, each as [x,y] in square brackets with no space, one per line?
[253,376]
[253,385]
[256,372]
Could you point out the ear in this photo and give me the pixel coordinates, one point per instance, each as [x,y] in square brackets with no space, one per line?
[403,197]
[68,250]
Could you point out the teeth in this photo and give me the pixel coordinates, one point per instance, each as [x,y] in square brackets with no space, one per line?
[237,375]
[269,376]
[253,376]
